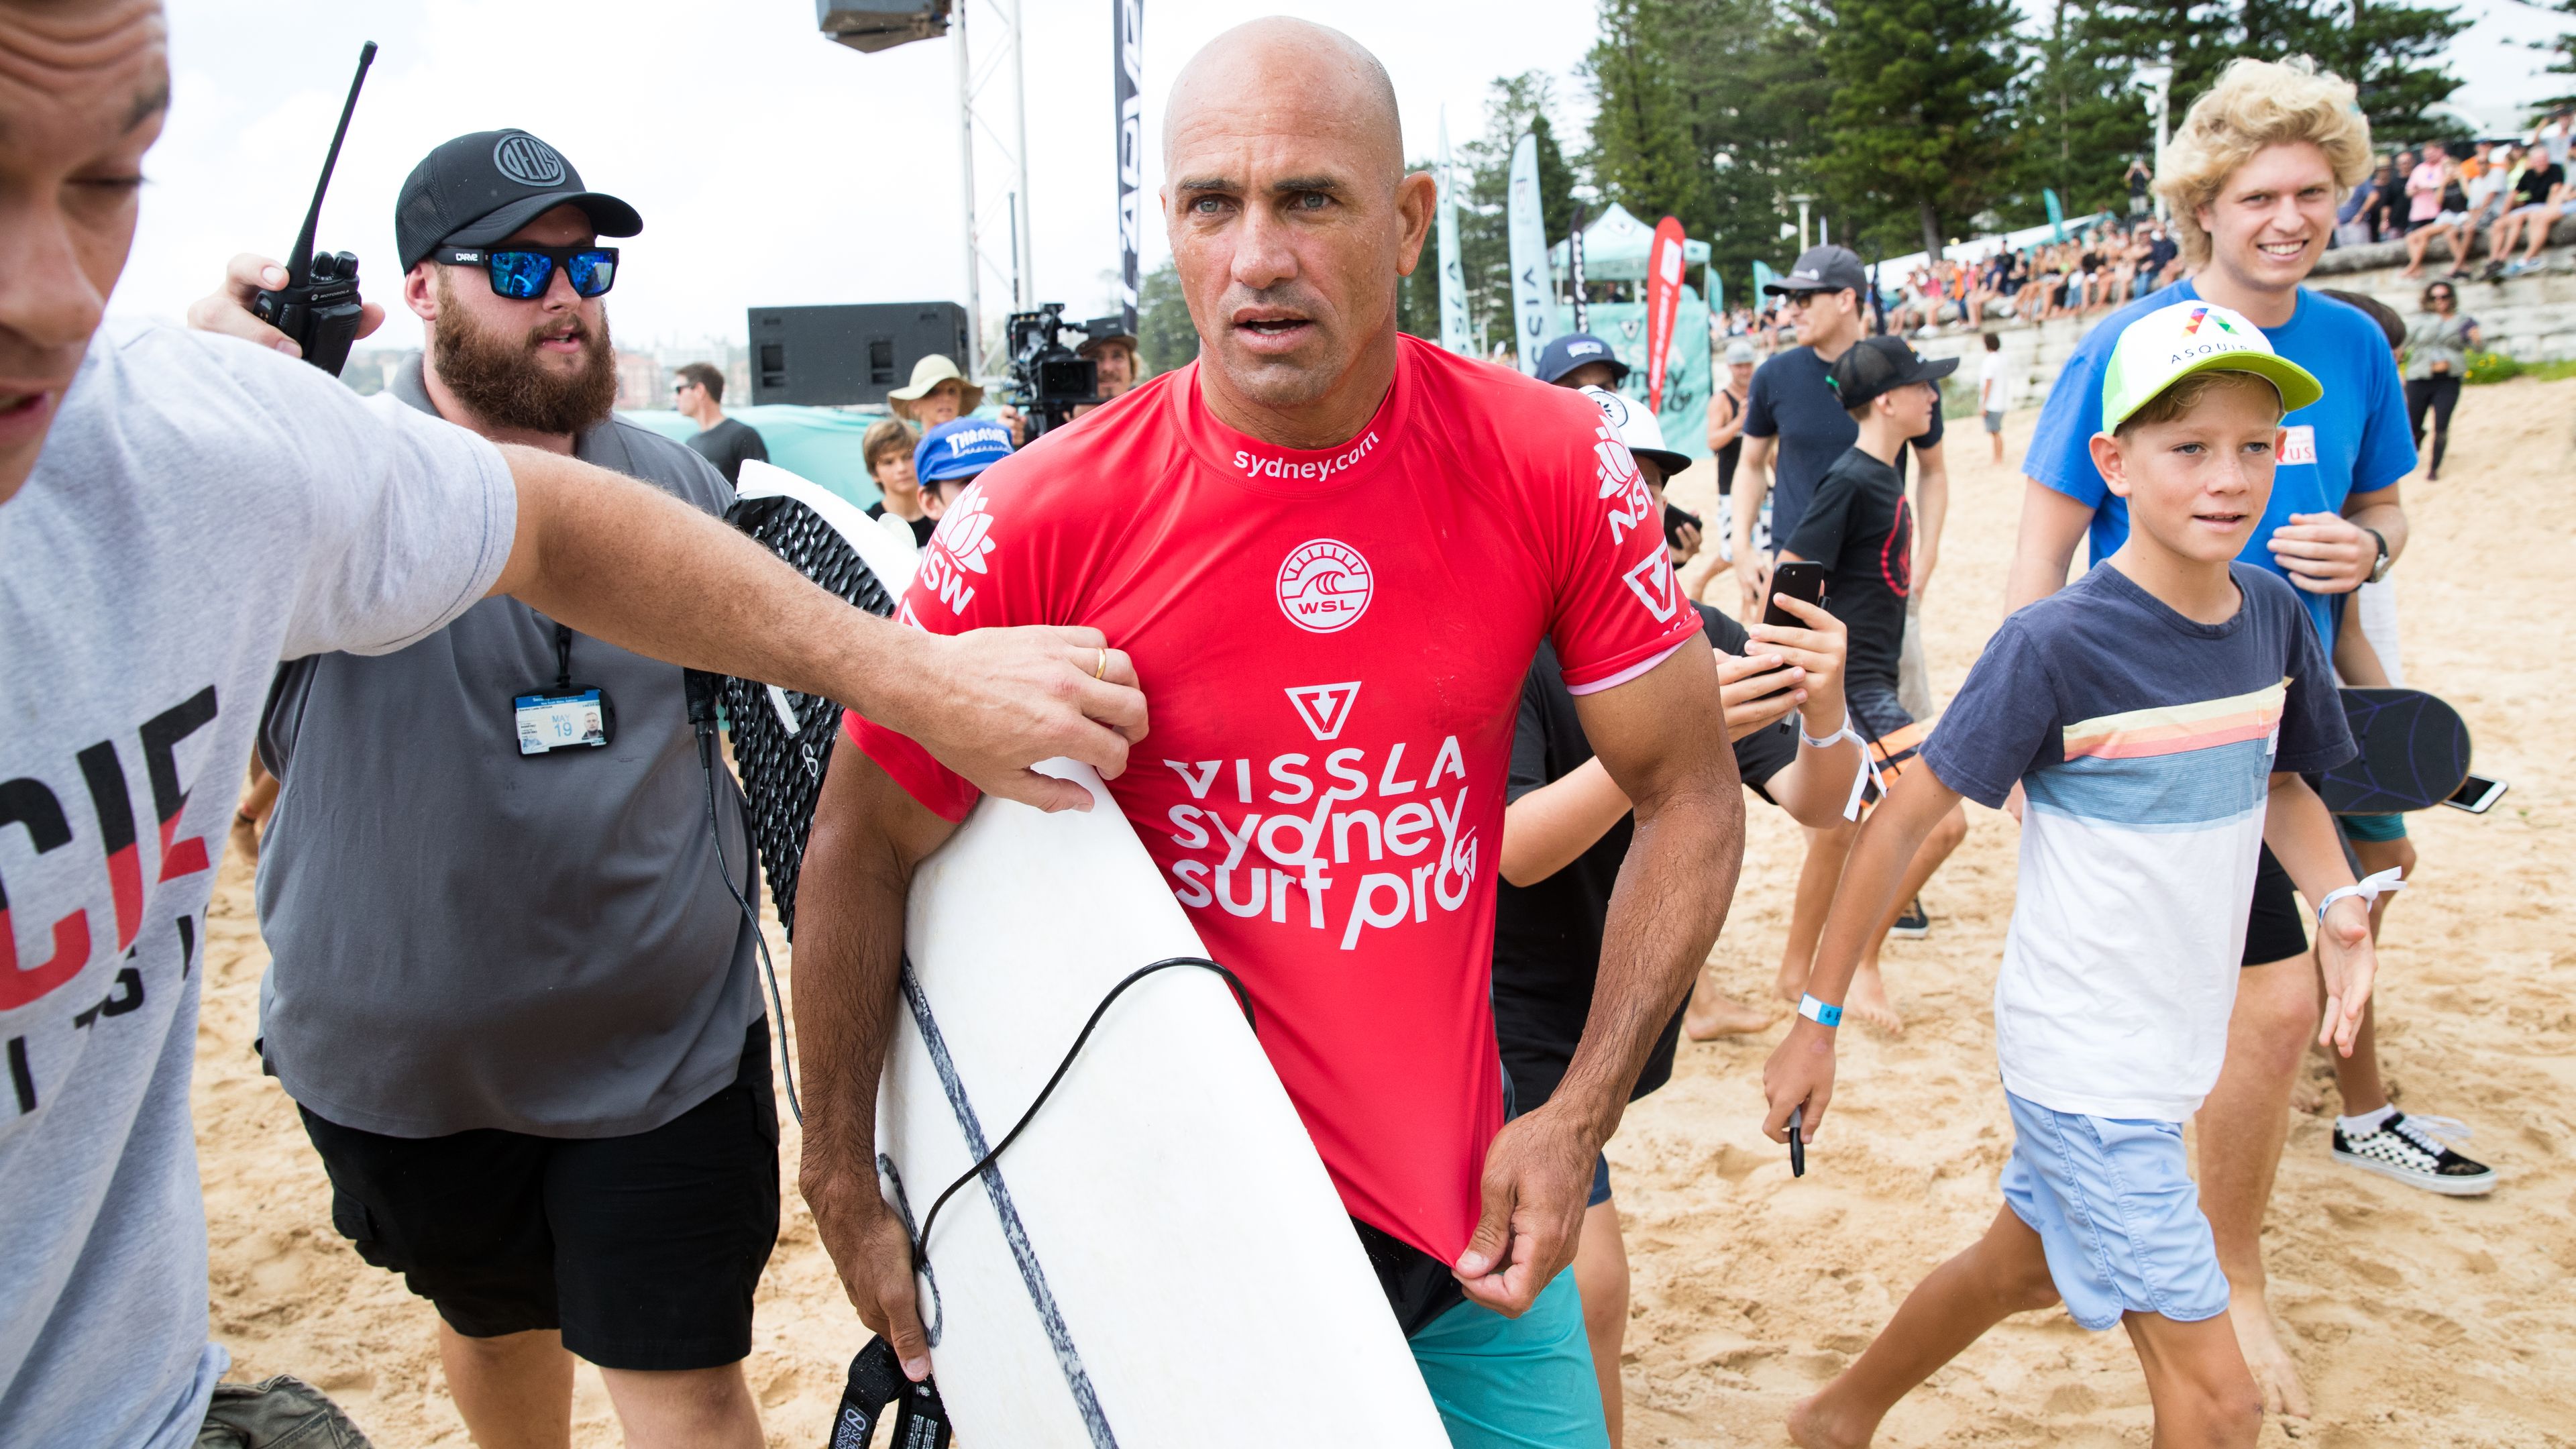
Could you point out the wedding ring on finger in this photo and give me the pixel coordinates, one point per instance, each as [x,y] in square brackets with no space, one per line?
[1101,669]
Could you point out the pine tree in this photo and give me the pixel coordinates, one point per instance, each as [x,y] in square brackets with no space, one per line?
[1643,154]
[2389,49]
[2083,118]
[1920,129]
[2196,37]
[1514,106]
[1165,336]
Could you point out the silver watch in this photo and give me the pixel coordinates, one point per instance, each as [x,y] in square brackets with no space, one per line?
[2379,570]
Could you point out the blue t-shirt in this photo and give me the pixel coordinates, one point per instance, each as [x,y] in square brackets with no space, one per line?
[2144,743]
[1791,400]
[2352,440]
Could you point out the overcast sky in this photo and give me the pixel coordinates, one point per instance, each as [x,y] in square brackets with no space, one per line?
[771,166]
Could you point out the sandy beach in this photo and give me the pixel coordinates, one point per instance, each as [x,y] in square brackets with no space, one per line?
[2417,1320]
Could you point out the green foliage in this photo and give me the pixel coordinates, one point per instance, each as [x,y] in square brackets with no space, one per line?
[1745,83]
[1920,131]
[2490,367]
[2389,49]
[1165,336]
[2081,122]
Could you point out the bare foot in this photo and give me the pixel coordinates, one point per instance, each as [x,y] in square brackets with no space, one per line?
[2259,1338]
[1809,1429]
[1713,1013]
[1868,1001]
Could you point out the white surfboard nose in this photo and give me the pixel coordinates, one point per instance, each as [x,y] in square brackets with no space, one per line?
[1162,1248]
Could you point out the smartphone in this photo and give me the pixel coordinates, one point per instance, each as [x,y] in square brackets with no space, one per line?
[1797,1144]
[2475,794]
[1802,579]
[1674,518]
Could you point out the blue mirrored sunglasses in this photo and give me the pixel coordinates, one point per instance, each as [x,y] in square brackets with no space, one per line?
[523,273]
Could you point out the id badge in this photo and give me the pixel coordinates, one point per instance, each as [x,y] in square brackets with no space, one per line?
[562,719]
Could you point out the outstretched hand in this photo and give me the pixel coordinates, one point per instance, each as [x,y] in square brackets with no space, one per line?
[993,702]
[1538,1171]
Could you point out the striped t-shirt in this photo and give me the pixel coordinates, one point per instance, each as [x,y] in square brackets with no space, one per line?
[2145,744]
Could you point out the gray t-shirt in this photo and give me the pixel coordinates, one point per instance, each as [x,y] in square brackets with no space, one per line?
[727,445]
[464,937]
[202,509]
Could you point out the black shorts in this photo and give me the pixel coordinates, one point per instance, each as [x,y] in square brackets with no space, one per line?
[2276,927]
[643,1249]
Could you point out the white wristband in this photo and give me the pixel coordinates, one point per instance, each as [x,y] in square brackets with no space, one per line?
[1862,777]
[1818,1012]
[2368,888]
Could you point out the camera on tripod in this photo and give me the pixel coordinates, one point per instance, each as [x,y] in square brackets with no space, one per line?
[1049,380]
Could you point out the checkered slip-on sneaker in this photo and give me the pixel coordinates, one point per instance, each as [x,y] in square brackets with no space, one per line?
[2411,1150]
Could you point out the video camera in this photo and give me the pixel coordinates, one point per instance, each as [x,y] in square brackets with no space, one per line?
[319,305]
[1048,380]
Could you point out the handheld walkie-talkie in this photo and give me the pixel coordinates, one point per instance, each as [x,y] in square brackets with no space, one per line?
[319,305]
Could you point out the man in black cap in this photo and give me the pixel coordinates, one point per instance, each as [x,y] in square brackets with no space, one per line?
[1579,359]
[1795,429]
[510,991]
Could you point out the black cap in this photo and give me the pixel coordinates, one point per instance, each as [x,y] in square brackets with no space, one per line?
[1823,269]
[478,189]
[1575,349]
[1876,366]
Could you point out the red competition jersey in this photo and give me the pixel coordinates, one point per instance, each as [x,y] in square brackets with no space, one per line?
[1332,644]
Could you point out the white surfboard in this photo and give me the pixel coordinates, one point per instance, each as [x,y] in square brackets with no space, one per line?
[1160,1261]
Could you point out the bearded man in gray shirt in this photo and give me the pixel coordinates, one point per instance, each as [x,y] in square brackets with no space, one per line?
[511,992]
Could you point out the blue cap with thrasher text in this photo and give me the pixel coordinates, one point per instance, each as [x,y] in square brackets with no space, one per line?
[960,448]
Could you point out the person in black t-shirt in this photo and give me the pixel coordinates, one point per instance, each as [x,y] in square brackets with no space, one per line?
[1859,526]
[887,448]
[723,441]
[1566,829]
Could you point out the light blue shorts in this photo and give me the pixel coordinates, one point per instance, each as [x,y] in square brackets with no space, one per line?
[1515,1383]
[2116,1210]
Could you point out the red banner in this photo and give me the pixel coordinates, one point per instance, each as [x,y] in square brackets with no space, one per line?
[1663,299]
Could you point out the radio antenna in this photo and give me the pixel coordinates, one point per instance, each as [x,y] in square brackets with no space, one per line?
[299,263]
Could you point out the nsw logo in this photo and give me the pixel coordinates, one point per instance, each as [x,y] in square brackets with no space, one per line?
[1324,586]
[528,161]
[1325,707]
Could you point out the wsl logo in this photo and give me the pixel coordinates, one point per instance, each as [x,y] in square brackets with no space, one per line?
[1324,586]
[528,161]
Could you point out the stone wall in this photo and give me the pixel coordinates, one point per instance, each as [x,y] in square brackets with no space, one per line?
[2531,318]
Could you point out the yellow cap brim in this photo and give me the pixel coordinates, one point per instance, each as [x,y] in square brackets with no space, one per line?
[2298,386]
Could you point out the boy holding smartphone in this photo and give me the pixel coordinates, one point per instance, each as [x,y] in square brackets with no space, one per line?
[1860,527]
[2156,713]
[1566,831]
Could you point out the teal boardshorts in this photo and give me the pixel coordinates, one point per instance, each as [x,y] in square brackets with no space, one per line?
[2373,827]
[1515,1383]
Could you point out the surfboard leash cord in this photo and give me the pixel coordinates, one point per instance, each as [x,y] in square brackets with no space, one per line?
[702,719]
[1234,983]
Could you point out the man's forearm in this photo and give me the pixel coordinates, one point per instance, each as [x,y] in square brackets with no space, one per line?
[2387,519]
[2052,526]
[1752,485]
[1932,493]
[1670,901]
[626,563]
[868,835]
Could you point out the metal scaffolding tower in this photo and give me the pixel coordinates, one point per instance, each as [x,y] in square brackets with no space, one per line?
[982,52]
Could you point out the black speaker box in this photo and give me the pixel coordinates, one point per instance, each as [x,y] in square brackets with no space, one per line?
[842,356]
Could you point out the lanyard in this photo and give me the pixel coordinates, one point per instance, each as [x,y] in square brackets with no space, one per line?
[563,657]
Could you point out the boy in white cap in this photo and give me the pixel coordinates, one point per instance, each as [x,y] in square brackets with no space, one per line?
[2156,713]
